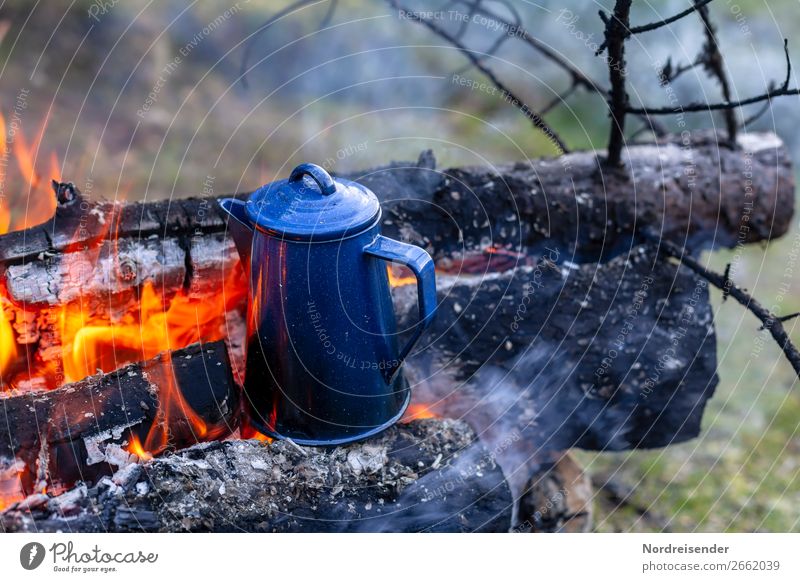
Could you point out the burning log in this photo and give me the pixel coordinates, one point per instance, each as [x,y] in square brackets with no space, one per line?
[540,338]
[430,475]
[53,439]
[676,189]
[96,262]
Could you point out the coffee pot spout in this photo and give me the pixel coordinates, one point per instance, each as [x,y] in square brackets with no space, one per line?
[240,227]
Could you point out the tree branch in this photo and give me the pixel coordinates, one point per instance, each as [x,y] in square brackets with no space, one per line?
[713,62]
[578,76]
[770,94]
[615,34]
[656,25]
[769,321]
[668,74]
[534,117]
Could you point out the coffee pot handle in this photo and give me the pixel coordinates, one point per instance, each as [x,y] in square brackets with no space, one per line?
[421,264]
[323,179]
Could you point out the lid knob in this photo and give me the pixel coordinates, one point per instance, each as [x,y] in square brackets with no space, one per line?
[323,179]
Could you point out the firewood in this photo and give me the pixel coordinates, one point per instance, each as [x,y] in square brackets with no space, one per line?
[182,246]
[80,431]
[703,194]
[700,190]
[558,498]
[608,356]
[687,189]
[429,475]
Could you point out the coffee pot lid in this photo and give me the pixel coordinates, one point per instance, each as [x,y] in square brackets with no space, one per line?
[312,206]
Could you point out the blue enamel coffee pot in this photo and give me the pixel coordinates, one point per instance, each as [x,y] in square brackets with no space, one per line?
[323,357]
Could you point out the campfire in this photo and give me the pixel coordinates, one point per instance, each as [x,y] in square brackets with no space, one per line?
[123,329]
[84,332]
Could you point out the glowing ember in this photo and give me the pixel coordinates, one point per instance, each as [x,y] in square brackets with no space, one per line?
[11,483]
[8,343]
[419,412]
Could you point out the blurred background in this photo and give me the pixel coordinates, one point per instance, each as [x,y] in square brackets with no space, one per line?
[141,100]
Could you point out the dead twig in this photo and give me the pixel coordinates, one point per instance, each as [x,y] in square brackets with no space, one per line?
[727,282]
[712,60]
[616,32]
[508,95]
[769,321]
[517,30]
[656,25]
[669,72]
[761,110]
[578,78]
[781,91]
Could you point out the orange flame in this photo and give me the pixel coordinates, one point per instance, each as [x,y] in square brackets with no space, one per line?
[174,413]
[8,343]
[399,280]
[248,431]
[159,325]
[41,202]
[11,484]
[135,447]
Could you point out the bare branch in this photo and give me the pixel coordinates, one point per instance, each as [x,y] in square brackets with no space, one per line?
[668,74]
[615,34]
[473,5]
[534,117]
[761,110]
[769,321]
[577,76]
[655,25]
[713,62]
[667,21]
[558,99]
[516,30]
[770,94]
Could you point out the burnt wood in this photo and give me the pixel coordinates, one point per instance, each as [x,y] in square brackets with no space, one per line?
[681,187]
[571,354]
[77,432]
[689,189]
[695,193]
[430,475]
[608,356]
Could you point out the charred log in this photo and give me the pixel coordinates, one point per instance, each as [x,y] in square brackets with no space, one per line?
[82,430]
[429,475]
[103,253]
[679,187]
[606,357]
[691,190]
[537,313]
